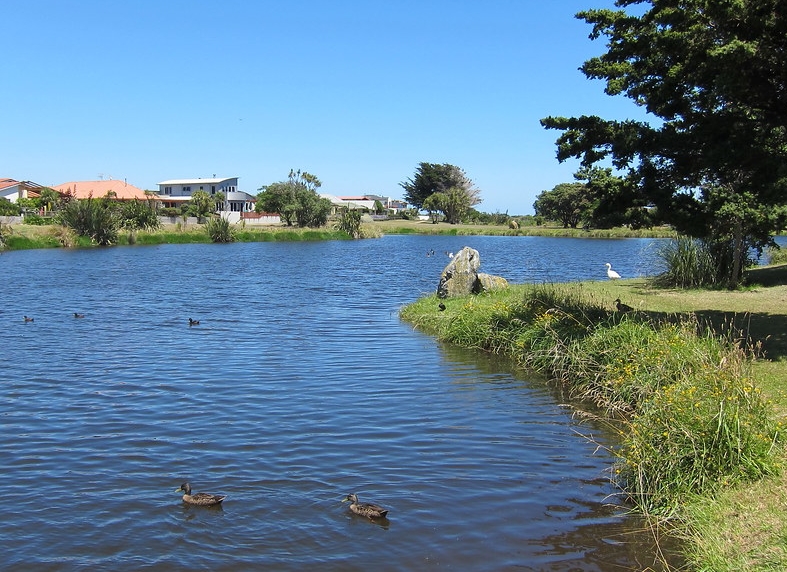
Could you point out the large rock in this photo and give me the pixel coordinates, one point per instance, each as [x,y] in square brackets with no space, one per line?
[461,276]
[488,282]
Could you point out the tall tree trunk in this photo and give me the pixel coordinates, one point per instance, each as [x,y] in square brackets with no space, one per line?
[737,254]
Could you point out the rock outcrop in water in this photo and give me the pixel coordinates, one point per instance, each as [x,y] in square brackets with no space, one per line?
[461,276]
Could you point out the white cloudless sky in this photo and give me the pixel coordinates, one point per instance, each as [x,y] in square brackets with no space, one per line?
[356,92]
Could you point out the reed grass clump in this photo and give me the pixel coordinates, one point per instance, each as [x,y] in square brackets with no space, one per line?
[682,395]
[689,263]
[776,255]
[219,230]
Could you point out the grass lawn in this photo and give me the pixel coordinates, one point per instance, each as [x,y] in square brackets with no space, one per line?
[745,527]
[399,226]
[741,526]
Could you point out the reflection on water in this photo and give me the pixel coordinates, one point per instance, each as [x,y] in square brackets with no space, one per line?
[299,386]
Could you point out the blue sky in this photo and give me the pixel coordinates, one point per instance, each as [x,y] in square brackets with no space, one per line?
[355,92]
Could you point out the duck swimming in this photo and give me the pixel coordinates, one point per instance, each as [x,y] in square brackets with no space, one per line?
[368,510]
[77,315]
[193,322]
[28,319]
[201,499]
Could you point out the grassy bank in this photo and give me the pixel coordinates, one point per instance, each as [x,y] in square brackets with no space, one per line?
[399,226]
[700,416]
[24,236]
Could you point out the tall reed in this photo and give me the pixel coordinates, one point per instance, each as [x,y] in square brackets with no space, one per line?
[689,263]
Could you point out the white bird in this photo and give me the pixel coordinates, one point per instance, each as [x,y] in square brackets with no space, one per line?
[611,273]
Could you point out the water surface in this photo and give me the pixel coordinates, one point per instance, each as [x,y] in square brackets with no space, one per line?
[300,385]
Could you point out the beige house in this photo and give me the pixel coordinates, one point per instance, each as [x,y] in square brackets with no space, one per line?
[14,190]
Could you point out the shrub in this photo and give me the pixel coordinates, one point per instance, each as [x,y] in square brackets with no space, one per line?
[777,255]
[139,215]
[37,220]
[219,229]
[97,219]
[5,232]
[350,222]
[7,208]
[689,263]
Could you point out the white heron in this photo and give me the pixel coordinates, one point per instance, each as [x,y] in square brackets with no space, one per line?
[611,273]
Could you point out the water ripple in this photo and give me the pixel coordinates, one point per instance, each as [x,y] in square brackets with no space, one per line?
[299,386]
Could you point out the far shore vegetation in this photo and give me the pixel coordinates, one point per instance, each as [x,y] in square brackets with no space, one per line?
[52,235]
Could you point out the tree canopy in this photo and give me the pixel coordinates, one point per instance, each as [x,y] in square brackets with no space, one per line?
[713,76]
[457,192]
[566,203]
[295,200]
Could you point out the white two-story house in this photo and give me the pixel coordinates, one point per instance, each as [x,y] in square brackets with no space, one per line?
[175,192]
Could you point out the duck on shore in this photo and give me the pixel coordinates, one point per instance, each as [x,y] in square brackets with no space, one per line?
[622,307]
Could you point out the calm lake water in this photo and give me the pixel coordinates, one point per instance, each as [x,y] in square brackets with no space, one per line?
[299,386]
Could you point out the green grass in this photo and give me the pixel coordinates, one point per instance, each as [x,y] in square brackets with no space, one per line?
[694,380]
[24,236]
[398,226]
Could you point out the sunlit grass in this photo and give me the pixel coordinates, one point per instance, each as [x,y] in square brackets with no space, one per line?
[692,419]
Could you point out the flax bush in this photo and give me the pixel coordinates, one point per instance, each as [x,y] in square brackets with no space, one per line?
[97,219]
[219,229]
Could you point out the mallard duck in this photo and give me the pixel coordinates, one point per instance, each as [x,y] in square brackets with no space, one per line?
[77,315]
[202,499]
[193,322]
[368,510]
[622,307]
[27,319]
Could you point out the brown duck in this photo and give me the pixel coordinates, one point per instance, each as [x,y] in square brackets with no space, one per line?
[622,307]
[202,499]
[368,510]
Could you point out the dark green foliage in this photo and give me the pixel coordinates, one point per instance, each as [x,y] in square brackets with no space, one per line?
[171,211]
[350,222]
[712,75]
[5,232]
[295,200]
[688,263]
[7,208]
[567,203]
[202,205]
[459,192]
[97,219]
[139,215]
[219,229]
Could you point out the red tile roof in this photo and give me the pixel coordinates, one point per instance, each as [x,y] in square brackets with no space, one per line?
[7,183]
[99,189]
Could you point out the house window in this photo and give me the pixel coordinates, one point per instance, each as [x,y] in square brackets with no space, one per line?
[167,190]
[213,189]
[186,189]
